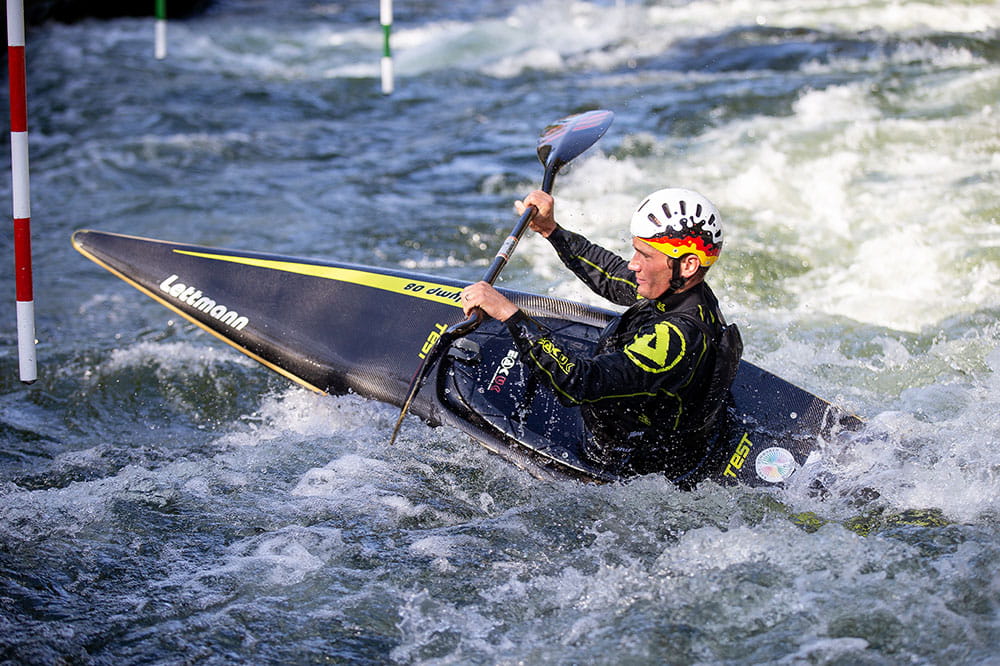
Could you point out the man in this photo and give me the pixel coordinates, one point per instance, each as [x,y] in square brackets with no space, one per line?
[654,390]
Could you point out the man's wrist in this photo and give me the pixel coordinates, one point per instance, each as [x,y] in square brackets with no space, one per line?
[507,312]
[555,228]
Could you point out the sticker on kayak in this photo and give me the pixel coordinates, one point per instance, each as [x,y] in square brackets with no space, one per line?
[503,371]
[775,464]
[406,285]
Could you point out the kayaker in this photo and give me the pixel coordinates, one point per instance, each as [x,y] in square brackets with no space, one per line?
[655,390]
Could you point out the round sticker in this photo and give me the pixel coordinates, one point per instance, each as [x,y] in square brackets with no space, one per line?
[775,464]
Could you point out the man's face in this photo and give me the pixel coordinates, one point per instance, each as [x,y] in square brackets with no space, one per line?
[652,270]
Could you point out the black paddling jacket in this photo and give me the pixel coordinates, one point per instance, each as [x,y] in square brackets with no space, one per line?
[645,389]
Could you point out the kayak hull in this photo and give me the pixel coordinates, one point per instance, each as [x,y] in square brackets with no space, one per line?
[337,328]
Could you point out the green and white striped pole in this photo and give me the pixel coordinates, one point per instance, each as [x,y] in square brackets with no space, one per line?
[160,46]
[385,18]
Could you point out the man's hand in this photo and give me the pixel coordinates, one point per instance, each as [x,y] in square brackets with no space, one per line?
[482,295]
[544,221]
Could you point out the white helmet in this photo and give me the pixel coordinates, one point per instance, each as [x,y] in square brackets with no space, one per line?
[676,222]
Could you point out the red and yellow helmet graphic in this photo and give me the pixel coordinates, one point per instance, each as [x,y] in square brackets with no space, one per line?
[676,222]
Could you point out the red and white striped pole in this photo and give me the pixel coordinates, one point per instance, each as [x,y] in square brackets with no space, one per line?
[20,191]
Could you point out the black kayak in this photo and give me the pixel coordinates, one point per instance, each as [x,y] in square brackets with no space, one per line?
[338,328]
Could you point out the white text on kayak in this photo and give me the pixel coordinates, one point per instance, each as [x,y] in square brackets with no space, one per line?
[195,298]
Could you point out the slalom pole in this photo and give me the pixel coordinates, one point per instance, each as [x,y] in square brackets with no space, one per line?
[160,46]
[20,191]
[385,18]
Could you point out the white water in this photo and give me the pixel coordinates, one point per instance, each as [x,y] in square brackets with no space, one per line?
[163,499]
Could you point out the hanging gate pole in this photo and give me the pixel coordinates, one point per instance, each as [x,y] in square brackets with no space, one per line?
[385,18]
[20,191]
[160,37]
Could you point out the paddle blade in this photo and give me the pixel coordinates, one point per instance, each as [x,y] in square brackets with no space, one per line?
[564,140]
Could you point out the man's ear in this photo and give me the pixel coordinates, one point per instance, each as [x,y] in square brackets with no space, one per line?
[689,265]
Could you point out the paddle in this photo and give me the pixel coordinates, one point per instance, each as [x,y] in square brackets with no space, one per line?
[559,143]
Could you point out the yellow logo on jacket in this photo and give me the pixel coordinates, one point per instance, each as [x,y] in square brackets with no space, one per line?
[650,351]
[557,355]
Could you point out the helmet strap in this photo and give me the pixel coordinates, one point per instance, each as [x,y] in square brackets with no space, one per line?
[676,281]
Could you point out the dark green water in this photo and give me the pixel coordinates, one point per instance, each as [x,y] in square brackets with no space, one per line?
[164,500]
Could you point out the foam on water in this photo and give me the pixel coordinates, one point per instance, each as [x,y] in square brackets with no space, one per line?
[444,552]
[861,247]
[769,588]
[557,34]
[866,207]
[913,17]
[167,500]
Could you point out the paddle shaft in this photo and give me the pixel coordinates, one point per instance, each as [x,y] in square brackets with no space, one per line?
[560,143]
[503,256]
[492,273]
[507,249]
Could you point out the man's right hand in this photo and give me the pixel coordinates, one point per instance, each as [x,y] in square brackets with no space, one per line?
[544,221]
[484,296]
